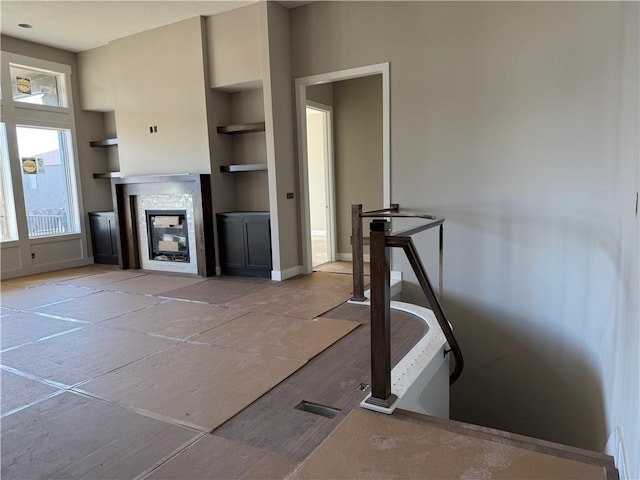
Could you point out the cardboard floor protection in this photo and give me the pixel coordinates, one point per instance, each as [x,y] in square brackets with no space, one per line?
[102,278]
[323,281]
[24,327]
[380,446]
[285,336]
[340,267]
[176,319]
[19,391]
[72,436]
[217,291]
[199,385]
[53,277]
[33,297]
[292,302]
[99,306]
[151,284]
[218,458]
[82,354]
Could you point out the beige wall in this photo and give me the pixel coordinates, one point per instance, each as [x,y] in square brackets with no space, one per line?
[95,67]
[519,123]
[159,80]
[279,119]
[322,93]
[358,151]
[233,45]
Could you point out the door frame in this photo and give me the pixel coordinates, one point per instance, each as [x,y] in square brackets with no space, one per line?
[330,197]
[301,85]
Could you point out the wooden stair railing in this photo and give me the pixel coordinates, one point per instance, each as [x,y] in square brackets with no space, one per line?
[380,243]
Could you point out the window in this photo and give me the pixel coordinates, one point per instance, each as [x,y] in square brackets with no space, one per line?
[8,226]
[46,177]
[39,87]
[37,152]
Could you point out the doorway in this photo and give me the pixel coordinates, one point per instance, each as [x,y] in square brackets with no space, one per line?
[381,70]
[320,182]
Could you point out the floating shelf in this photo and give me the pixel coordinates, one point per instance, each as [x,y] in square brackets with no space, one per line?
[107,175]
[242,128]
[248,167]
[107,142]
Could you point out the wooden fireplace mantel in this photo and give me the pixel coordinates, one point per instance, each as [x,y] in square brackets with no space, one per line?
[124,191]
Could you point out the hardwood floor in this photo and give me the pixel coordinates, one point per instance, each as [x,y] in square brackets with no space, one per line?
[272,423]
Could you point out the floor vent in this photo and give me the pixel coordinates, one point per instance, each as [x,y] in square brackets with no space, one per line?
[317,409]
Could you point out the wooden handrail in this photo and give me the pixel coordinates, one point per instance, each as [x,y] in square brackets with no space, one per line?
[381,241]
[357,241]
[406,243]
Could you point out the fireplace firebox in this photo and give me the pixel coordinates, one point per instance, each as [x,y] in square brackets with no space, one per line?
[168,235]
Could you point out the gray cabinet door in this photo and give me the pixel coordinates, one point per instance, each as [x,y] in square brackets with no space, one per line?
[258,243]
[103,237]
[244,241]
[231,242]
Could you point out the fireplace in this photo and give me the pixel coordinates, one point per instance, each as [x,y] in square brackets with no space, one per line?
[168,235]
[186,196]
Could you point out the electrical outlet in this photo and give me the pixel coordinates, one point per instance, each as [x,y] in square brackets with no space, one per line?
[289,195]
[33,256]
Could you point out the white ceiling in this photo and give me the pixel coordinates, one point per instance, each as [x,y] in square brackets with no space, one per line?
[80,25]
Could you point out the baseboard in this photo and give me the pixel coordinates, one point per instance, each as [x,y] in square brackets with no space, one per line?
[615,447]
[318,233]
[348,257]
[46,268]
[279,275]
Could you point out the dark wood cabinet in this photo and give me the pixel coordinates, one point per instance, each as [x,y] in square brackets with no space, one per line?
[104,237]
[244,241]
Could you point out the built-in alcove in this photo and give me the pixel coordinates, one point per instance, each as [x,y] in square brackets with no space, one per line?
[138,198]
[245,168]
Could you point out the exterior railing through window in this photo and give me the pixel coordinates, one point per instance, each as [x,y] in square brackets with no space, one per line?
[43,223]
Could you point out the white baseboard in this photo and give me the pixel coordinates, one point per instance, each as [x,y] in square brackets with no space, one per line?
[318,233]
[279,275]
[615,447]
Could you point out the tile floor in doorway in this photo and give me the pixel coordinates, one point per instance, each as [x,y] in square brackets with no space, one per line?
[105,372]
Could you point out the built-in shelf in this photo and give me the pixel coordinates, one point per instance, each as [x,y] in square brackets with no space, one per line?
[107,142]
[241,128]
[248,167]
[107,175]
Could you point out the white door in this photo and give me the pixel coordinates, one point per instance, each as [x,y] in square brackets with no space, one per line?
[320,183]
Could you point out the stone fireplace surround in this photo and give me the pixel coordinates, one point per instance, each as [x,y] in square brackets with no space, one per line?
[125,191]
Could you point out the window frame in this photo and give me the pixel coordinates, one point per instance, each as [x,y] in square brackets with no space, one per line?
[24,114]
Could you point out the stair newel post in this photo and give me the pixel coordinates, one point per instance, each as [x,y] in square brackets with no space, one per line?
[357,251]
[380,316]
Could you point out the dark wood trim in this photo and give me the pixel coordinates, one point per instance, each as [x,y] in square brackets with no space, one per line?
[107,142]
[107,175]
[241,128]
[380,316]
[125,189]
[246,167]
[357,253]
